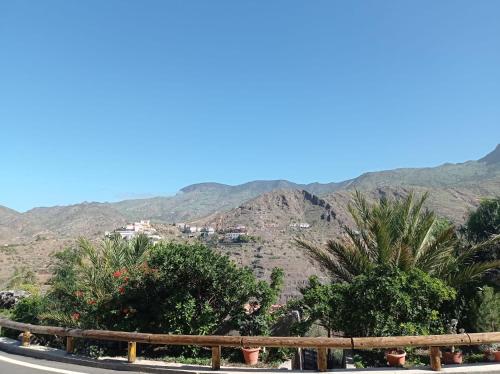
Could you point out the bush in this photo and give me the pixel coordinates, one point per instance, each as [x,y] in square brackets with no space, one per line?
[188,289]
[259,319]
[24,279]
[384,302]
[485,311]
[482,224]
[136,286]
[389,302]
[28,309]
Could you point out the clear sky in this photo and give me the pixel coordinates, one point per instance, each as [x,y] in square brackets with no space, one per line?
[107,100]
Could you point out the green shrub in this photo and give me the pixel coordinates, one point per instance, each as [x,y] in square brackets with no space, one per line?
[389,302]
[259,320]
[24,279]
[29,309]
[385,302]
[137,286]
[485,310]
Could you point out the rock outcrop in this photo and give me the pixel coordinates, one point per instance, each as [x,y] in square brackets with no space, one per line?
[9,298]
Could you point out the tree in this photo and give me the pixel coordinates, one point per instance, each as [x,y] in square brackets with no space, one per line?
[485,310]
[321,304]
[400,233]
[161,288]
[388,301]
[385,301]
[189,289]
[90,280]
[481,225]
[259,318]
[484,221]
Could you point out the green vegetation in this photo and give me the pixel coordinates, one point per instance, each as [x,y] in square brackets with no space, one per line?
[162,288]
[23,279]
[248,239]
[404,271]
[482,225]
[485,221]
[401,233]
[384,302]
[485,310]
[258,320]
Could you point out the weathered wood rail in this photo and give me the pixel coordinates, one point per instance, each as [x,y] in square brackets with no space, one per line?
[434,342]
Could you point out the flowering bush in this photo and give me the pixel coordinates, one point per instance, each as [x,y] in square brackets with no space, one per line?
[137,286]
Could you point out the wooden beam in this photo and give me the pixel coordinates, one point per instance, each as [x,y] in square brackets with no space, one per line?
[216,353]
[295,342]
[70,344]
[435,358]
[257,341]
[412,341]
[132,351]
[26,338]
[322,359]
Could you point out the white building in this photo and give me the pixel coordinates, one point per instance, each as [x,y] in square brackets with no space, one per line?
[232,235]
[131,230]
[302,225]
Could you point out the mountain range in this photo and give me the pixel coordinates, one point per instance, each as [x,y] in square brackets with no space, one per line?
[267,208]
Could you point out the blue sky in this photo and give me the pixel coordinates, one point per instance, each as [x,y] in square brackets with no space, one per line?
[106,100]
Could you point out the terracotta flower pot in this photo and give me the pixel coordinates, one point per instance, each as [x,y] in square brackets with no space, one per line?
[496,354]
[452,357]
[396,358]
[251,355]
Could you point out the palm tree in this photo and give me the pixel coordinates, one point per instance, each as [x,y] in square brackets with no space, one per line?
[94,273]
[96,266]
[402,233]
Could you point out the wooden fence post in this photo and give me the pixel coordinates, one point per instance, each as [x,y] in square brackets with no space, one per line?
[132,351]
[70,344]
[216,353]
[26,338]
[435,358]
[322,359]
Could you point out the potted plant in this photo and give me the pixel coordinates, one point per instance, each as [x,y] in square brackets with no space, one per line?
[396,357]
[453,355]
[252,323]
[491,352]
[495,352]
[256,318]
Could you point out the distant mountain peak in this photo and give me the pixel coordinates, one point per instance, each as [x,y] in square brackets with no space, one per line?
[492,157]
[203,187]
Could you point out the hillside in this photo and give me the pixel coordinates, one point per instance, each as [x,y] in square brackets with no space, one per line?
[480,178]
[267,208]
[201,199]
[272,219]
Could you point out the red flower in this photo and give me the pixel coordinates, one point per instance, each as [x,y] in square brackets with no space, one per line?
[91,302]
[121,290]
[117,274]
[75,316]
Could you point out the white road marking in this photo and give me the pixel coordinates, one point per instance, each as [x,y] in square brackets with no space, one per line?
[38,367]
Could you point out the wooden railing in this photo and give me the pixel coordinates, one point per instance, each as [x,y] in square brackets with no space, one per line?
[434,342]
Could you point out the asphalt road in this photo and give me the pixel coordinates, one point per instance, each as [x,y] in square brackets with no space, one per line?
[14,364]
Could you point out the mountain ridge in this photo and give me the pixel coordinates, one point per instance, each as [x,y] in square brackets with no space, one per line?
[271,211]
[203,199]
